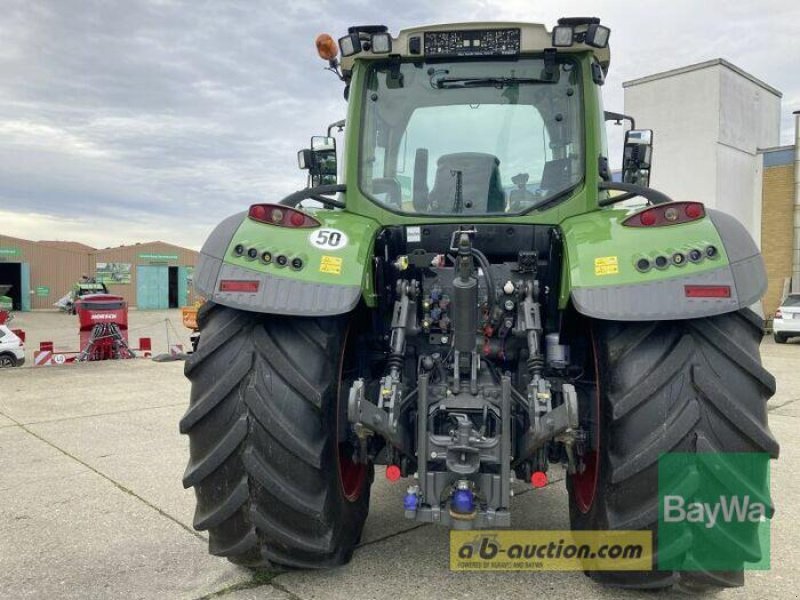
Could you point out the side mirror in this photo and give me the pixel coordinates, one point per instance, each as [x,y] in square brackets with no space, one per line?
[636,156]
[319,160]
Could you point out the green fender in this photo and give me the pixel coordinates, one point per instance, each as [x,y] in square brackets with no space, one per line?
[326,272]
[601,278]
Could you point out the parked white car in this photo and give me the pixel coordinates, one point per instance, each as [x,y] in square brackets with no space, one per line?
[12,350]
[786,323]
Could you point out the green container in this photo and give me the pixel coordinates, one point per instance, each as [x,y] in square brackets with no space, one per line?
[6,303]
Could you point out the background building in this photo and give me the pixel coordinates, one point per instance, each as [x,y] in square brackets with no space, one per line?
[708,122]
[716,132]
[149,275]
[779,177]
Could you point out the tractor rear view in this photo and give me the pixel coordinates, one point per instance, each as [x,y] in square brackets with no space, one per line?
[471,307]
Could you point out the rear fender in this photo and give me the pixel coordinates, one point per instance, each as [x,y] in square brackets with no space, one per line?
[334,273]
[601,278]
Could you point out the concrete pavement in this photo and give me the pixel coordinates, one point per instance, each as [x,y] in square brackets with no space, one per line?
[91,504]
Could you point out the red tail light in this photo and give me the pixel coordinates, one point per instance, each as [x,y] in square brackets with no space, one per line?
[234,285]
[672,213]
[707,291]
[275,214]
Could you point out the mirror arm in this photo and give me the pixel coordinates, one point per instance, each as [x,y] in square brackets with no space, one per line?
[337,125]
[619,117]
[632,190]
[316,193]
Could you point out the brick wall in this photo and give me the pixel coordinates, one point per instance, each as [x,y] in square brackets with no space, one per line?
[777,231]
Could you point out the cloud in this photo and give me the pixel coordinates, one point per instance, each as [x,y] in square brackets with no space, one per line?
[127,121]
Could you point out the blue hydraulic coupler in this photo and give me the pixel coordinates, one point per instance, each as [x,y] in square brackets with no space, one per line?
[410,500]
[463,500]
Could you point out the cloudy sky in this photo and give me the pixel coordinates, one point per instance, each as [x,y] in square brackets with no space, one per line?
[133,120]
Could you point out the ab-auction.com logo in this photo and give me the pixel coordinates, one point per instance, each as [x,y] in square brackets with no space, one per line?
[550,550]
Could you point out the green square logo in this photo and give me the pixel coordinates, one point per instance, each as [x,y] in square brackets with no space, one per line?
[714,511]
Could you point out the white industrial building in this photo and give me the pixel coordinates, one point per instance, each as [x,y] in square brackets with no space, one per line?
[709,121]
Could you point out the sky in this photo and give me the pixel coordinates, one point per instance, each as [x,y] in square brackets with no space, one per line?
[135,120]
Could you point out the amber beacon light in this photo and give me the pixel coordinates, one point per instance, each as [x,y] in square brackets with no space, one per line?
[326,47]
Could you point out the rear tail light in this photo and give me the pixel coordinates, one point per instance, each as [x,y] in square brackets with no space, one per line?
[672,213]
[276,214]
[707,291]
[778,314]
[233,285]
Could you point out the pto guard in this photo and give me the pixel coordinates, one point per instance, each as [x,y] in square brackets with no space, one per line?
[334,259]
[604,282]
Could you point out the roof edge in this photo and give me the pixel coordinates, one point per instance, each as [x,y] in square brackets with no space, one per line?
[703,65]
[775,149]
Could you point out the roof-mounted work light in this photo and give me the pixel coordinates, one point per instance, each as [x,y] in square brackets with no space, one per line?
[350,44]
[563,36]
[381,43]
[597,36]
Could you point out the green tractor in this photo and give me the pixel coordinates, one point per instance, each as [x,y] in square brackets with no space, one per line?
[469,303]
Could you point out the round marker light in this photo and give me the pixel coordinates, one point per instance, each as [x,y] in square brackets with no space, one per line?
[647,218]
[276,216]
[238,250]
[695,255]
[678,259]
[711,251]
[694,211]
[297,219]
[643,265]
[539,479]
[662,262]
[326,47]
[258,212]
[297,264]
[671,214]
[392,472]
[252,253]
[281,261]
[266,257]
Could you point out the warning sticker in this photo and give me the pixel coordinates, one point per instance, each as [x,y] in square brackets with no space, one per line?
[606,265]
[331,265]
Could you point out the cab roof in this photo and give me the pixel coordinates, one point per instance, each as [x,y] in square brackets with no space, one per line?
[419,42]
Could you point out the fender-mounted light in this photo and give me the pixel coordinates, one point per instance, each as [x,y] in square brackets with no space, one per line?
[673,213]
[237,285]
[275,214]
[707,291]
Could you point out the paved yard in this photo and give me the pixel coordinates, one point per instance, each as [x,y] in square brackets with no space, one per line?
[91,503]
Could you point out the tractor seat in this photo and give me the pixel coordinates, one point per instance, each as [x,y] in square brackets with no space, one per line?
[482,191]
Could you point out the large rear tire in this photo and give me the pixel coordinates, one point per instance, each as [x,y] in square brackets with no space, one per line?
[671,386]
[274,485]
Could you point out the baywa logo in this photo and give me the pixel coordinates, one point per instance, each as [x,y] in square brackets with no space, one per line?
[714,511]
[729,509]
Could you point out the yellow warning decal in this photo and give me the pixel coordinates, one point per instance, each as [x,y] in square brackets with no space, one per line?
[331,265]
[606,265]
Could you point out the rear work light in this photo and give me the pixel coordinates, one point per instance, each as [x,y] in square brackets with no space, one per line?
[276,214]
[707,291]
[672,213]
[234,285]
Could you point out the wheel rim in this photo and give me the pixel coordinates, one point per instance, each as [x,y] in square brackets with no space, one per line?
[584,484]
[351,473]
[5,362]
